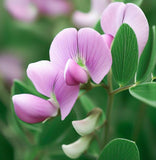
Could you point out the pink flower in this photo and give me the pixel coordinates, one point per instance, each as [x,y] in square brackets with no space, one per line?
[10,68]
[89,19]
[75,56]
[49,81]
[33,109]
[23,10]
[118,13]
[28,10]
[81,54]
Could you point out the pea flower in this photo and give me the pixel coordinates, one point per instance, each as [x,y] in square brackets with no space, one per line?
[81,54]
[89,19]
[118,13]
[49,81]
[75,56]
[28,10]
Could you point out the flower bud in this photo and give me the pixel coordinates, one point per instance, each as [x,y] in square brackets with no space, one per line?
[33,109]
[74,150]
[89,124]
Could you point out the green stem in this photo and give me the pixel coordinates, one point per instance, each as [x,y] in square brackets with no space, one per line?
[108,110]
[108,118]
[99,85]
[118,90]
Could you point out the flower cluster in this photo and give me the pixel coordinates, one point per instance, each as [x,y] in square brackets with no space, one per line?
[75,58]
[27,10]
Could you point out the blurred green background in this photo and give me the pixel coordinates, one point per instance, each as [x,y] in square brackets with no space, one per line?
[30,42]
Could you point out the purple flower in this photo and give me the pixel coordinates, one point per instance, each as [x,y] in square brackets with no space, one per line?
[33,109]
[118,13]
[28,10]
[81,54]
[49,81]
[89,19]
[75,57]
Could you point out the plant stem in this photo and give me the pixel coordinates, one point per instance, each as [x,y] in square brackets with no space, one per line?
[108,118]
[118,90]
[108,110]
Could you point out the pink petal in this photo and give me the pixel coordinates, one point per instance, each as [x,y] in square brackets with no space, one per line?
[118,13]
[108,39]
[112,18]
[32,109]
[53,7]
[64,46]
[74,74]
[135,17]
[65,95]
[43,74]
[95,52]
[22,10]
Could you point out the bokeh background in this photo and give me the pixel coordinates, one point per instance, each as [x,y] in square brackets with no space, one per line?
[22,43]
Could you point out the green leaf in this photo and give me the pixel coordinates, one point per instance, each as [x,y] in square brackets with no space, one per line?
[137,2]
[87,103]
[120,149]
[98,27]
[147,59]
[20,88]
[145,92]
[6,149]
[124,55]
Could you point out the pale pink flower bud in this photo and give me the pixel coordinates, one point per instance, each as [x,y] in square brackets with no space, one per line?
[89,124]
